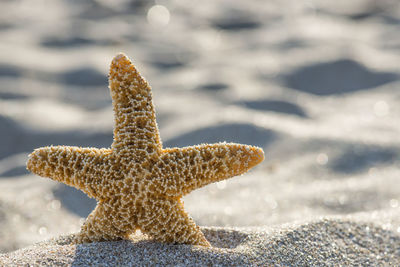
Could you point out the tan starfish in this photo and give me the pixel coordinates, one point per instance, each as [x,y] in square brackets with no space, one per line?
[137,183]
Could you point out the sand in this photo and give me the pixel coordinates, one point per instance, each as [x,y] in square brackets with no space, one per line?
[315,83]
[325,242]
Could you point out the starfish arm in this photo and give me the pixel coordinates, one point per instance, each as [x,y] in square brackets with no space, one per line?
[99,226]
[193,167]
[135,130]
[170,223]
[79,167]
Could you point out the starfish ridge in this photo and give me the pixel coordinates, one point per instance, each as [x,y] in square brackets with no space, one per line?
[137,183]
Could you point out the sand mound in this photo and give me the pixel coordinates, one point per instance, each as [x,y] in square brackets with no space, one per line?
[320,243]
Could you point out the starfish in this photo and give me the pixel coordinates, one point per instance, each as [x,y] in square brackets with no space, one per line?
[137,183]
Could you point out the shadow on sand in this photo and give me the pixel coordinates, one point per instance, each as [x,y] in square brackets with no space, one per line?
[336,77]
[231,132]
[275,106]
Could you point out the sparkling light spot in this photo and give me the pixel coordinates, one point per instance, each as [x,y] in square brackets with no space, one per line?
[55,204]
[42,230]
[81,220]
[244,193]
[381,109]
[372,171]
[48,196]
[221,185]
[212,40]
[271,202]
[387,226]
[16,218]
[343,199]
[33,228]
[228,210]
[158,15]
[322,159]
[20,201]
[394,203]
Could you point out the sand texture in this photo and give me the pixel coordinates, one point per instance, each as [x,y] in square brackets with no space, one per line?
[316,84]
[320,243]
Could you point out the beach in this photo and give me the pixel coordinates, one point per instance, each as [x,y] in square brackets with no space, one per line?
[315,84]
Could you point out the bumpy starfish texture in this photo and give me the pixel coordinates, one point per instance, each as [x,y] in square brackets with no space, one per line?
[137,183]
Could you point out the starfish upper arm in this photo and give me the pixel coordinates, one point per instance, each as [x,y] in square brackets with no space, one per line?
[135,120]
[79,167]
[193,167]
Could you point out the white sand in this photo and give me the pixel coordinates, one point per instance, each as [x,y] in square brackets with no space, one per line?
[315,83]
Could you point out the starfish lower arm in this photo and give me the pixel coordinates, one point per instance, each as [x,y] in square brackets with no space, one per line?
[99,226]
[182,228]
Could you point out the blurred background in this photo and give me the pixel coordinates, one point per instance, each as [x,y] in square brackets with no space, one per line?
[315,83]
